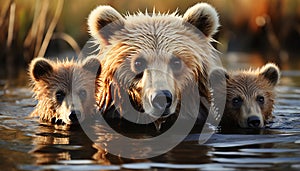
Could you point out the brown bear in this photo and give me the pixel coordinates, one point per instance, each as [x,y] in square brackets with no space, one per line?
[250,97]
[150,60]
[65,90]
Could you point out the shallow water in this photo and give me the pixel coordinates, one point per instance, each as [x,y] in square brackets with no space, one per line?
[27,145]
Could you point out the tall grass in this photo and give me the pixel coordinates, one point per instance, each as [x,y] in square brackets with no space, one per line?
[25,34]
[28,28]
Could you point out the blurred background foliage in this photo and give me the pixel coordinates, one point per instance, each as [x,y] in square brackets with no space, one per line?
[57,28]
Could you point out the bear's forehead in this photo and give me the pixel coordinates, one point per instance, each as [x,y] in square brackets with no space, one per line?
[249,77]
[248,86]
[159,33]
[72,77]
[163,28]
[150,19]
[158,26]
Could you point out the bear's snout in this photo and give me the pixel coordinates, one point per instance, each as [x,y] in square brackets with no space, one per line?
[162,101]
[75,116]
[253,122]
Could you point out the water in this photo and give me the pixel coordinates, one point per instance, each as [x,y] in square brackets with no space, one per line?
[27,145]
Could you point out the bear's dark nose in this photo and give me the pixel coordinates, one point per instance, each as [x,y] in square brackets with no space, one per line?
[253,122]
[162,100]
[75,116]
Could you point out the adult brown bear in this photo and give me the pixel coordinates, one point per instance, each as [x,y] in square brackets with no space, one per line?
[150,62]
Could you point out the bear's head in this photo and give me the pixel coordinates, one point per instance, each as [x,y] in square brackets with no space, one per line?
[65,90]
[149,60]
[250,97]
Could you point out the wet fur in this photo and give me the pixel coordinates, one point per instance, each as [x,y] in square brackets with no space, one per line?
[249,84]
[47,77]
[156,38]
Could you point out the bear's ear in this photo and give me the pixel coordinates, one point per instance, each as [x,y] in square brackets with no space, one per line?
[103,22]
[218,74]
[93,65]
[271,72]
[218,84]
[40,67]
[204,17]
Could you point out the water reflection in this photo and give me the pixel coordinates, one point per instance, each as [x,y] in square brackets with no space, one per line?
[54,144]
[27,145]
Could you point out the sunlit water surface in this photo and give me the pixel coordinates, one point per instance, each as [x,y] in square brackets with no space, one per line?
[27,145]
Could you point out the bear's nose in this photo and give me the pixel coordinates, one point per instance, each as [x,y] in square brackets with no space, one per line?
[253,122]
[75,116]
[162,100]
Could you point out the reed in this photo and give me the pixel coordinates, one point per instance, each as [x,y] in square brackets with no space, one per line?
[28,27]
[20,50]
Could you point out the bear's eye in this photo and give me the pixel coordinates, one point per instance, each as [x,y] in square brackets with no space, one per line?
[176,64]
[260,99]
[82,94]
[60,95]
[237,102]
[140,65]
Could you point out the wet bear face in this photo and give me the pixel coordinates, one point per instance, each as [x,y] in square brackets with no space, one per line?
[149,60]
[250,97]
[65,90]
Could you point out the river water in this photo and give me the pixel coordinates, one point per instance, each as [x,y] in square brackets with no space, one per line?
[27,145]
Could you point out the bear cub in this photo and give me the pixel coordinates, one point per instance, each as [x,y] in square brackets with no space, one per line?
[65,90]
[250,97]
